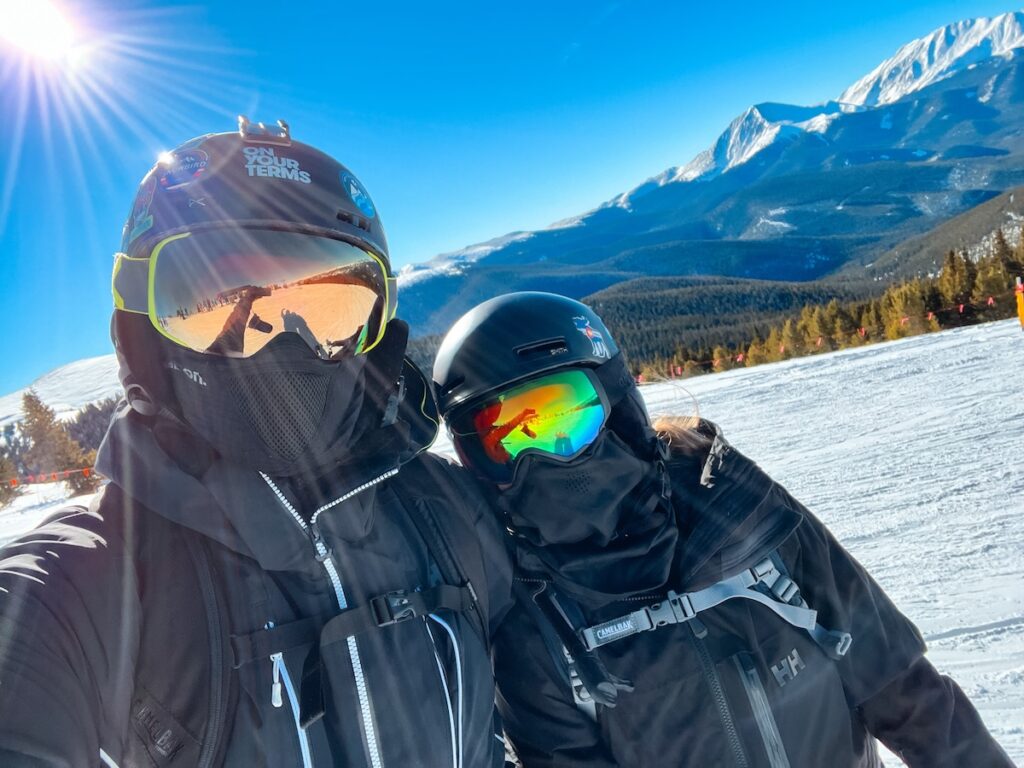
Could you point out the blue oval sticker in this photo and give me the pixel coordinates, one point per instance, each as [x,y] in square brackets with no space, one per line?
[358,193]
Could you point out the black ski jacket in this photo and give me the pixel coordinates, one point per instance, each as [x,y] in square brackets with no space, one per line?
[739,686]
[175,622]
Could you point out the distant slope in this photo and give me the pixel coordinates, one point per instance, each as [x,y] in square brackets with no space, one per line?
[68,388]
[970,230]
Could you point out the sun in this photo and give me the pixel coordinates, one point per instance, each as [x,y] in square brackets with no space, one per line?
[38,28]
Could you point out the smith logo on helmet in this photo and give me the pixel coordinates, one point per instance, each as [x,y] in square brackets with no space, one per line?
[261,161]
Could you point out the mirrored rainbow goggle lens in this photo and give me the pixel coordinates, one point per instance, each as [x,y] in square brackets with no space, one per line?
[231,291]
[560,414]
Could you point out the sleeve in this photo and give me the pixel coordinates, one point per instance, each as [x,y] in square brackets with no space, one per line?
[903,700]
[541,719]
[68,634]
[926,719]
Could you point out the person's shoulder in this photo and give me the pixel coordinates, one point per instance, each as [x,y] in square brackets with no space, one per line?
[78,546]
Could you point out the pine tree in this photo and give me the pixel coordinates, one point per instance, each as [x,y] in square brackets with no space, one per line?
[773,349]
[8,475]
[723,359]
[844,328]
[791,341]
[871,322]
[993,280]
[755,353]
[51,447]
[1001,250]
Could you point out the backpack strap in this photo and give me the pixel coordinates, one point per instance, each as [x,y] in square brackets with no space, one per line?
[766,583]
[437,539]
[557,618]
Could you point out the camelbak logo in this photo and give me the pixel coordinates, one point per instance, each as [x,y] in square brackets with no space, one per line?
[596,339]
[261,161]
[616,629]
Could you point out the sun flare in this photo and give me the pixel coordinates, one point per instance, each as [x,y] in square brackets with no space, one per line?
[39,29]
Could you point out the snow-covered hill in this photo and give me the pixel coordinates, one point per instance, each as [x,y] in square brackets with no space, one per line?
[911,451]
[68,388]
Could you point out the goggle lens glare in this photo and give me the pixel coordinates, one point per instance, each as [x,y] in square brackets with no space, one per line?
[231,291]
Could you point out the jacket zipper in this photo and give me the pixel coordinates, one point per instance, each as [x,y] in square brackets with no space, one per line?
[323,555]
[766,724]
[447,696]
[718,694]
[281,675]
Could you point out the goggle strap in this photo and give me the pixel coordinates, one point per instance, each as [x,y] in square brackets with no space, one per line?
[130,284]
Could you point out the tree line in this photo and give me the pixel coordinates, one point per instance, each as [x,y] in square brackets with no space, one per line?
[965,292]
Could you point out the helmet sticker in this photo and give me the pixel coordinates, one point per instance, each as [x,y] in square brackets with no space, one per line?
[185,166]
[141,220]
[596,339]
[358,193]
[263,161]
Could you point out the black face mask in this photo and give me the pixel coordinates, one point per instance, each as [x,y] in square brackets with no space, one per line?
[281,411]
[602,524]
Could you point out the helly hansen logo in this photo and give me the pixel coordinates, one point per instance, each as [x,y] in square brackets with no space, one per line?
[788,668]
[615,629]
[162,739]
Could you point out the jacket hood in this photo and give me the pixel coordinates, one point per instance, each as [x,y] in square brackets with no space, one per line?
[163,466]
[730,512]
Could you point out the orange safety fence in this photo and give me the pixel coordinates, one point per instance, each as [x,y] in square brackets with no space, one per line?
[48,477]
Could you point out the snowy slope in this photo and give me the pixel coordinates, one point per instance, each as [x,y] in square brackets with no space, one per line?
[936,56]
[68,388]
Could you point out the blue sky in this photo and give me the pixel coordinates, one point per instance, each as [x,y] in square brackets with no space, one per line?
[464,120]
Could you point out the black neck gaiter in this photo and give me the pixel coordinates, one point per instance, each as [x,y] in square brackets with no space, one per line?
[282,411]
[601,525]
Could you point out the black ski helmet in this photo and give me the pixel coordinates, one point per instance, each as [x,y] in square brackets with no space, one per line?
[519,336]
[257,176]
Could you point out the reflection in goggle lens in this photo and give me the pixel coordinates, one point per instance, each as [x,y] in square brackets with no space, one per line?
[231,291]
[560,414]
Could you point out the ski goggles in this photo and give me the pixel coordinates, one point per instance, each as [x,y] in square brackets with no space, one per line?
[230,291]
[558,415]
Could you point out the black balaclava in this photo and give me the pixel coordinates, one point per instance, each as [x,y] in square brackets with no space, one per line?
[602,524]
[281,411]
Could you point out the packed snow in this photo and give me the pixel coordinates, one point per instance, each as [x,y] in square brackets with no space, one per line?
[911,451]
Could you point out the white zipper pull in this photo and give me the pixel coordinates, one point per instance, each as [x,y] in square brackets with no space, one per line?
[275,689]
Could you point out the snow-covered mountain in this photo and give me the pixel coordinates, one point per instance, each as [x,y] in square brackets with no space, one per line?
[949,49]
[786,192]
[918,64]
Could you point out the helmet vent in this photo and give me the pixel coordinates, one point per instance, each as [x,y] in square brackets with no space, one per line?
[546,348]
[355,221]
